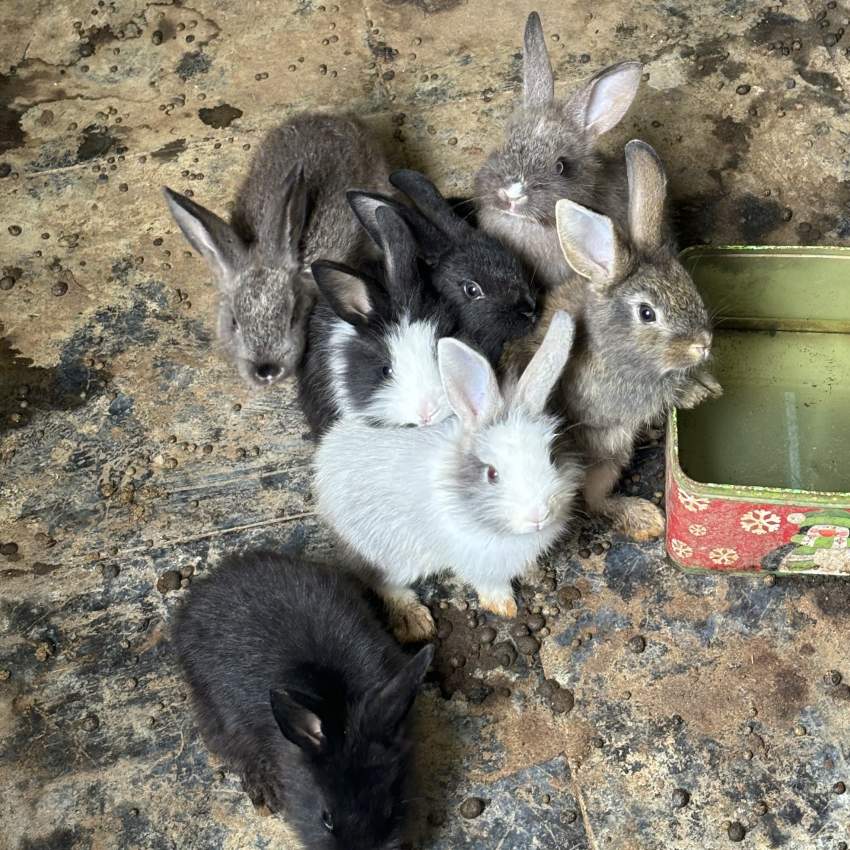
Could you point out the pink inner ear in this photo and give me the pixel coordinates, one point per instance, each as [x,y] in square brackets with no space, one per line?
[610,100]
[313,728]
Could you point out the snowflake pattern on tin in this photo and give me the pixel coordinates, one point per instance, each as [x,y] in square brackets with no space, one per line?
[759,521]
[693,503]
[723,556]
[681,549]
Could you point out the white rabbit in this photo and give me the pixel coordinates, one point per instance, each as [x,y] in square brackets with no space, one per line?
[478,494]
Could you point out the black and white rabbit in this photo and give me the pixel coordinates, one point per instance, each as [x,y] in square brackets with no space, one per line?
[290,211]
[550,152]
[478,494]
[372,339]
[298,687]
[644,337]
[486,286]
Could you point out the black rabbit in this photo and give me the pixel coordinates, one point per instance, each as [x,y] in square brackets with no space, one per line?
[298,687]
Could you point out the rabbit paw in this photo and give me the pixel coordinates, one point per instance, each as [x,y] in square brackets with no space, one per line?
[503,606]
[261,785]
[702,387]
[637,518]
[410,620]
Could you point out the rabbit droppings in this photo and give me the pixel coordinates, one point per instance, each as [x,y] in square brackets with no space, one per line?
[290,211]
[645,337]
[479,493]
[550,152]
[297,686]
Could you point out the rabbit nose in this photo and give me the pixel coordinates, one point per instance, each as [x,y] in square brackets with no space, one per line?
[701,348]
[267,371]
[427,413]
[514,191]
[539,517]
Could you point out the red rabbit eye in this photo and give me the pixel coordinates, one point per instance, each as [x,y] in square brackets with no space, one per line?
[492,474]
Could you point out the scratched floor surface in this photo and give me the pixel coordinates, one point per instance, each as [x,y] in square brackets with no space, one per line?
[649,709]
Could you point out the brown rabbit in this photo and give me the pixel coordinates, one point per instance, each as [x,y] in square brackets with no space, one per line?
[642,341]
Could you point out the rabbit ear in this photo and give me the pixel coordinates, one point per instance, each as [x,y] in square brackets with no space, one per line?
[215,240]
[365,205]
[389,705]
[542,373]
[297,719]
[351,294]
[430,203]
[399,248]
[647,196]
[469,383]
[538,83]
[606,97]
[281,231]
[590,243]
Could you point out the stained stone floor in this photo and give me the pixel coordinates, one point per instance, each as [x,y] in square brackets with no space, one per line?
[128,448]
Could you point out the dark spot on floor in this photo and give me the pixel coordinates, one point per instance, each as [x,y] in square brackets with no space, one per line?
[430,7]
[193,63]
[775,27]
[694,218]
[757,217]
[732,132]
[833,598]
[59,839]
[96,142]
[820,79]
[792,690]
[170,151]
[219,116]
[732,69]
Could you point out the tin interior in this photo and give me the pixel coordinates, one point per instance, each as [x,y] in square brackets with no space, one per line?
[782,354]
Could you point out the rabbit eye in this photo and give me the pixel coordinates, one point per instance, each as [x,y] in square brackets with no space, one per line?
[646,313]
[472,290]
[387,371]
[562,164]
[234,325]
[328,821]
[492,475]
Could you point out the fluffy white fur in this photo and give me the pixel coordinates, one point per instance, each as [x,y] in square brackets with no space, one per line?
[416,501]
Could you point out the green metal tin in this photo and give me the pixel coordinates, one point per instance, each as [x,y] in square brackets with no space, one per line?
[749,476]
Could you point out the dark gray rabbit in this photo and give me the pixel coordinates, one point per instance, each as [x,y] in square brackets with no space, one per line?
[297,686]
[372,340]
[290,211]
[550,152]
[486,286]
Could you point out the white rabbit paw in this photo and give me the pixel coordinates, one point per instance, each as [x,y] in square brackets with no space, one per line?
[702,387]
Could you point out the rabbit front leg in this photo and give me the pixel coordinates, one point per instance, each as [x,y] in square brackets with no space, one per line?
[637,518]
[499,599]
[702,385]
[263,787]
[410,619]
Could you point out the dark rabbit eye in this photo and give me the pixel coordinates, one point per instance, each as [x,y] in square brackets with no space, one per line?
[234,324]
[492,475]
[646,313]
[387,371]
[562,165]
[472,290]
[328,821]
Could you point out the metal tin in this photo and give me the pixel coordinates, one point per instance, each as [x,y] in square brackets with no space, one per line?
[757,480]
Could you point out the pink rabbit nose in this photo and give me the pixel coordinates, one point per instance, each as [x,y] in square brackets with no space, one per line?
[701,348]
[427,413]
[513,195]
[539,517]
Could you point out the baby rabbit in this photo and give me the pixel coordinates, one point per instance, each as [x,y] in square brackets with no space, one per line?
[290,211]
[298,687]
[372,348]
[478,494]
[550,152]
[486,286]
[645,336]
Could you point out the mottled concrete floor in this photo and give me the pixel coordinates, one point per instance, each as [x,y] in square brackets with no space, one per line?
[128,447]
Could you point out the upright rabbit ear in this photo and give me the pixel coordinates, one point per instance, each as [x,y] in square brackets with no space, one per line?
[298,720]
[647,196]
[538,82]
[215,240]
[281,231]
[469,383]
[365,205]
[590,243]
[542,373]
[606,97]
[390,704]
[353,296]
[399,249]
[430,202]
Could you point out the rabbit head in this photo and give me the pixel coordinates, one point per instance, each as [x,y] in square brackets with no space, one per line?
[357,757]
[505,477]
[265,292]
[385,348]
[550,146]
[642,307]
[486,286]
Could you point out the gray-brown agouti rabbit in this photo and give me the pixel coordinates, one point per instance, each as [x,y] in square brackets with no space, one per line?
[290,211]
[550,152]
[296,685]
[642,342]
